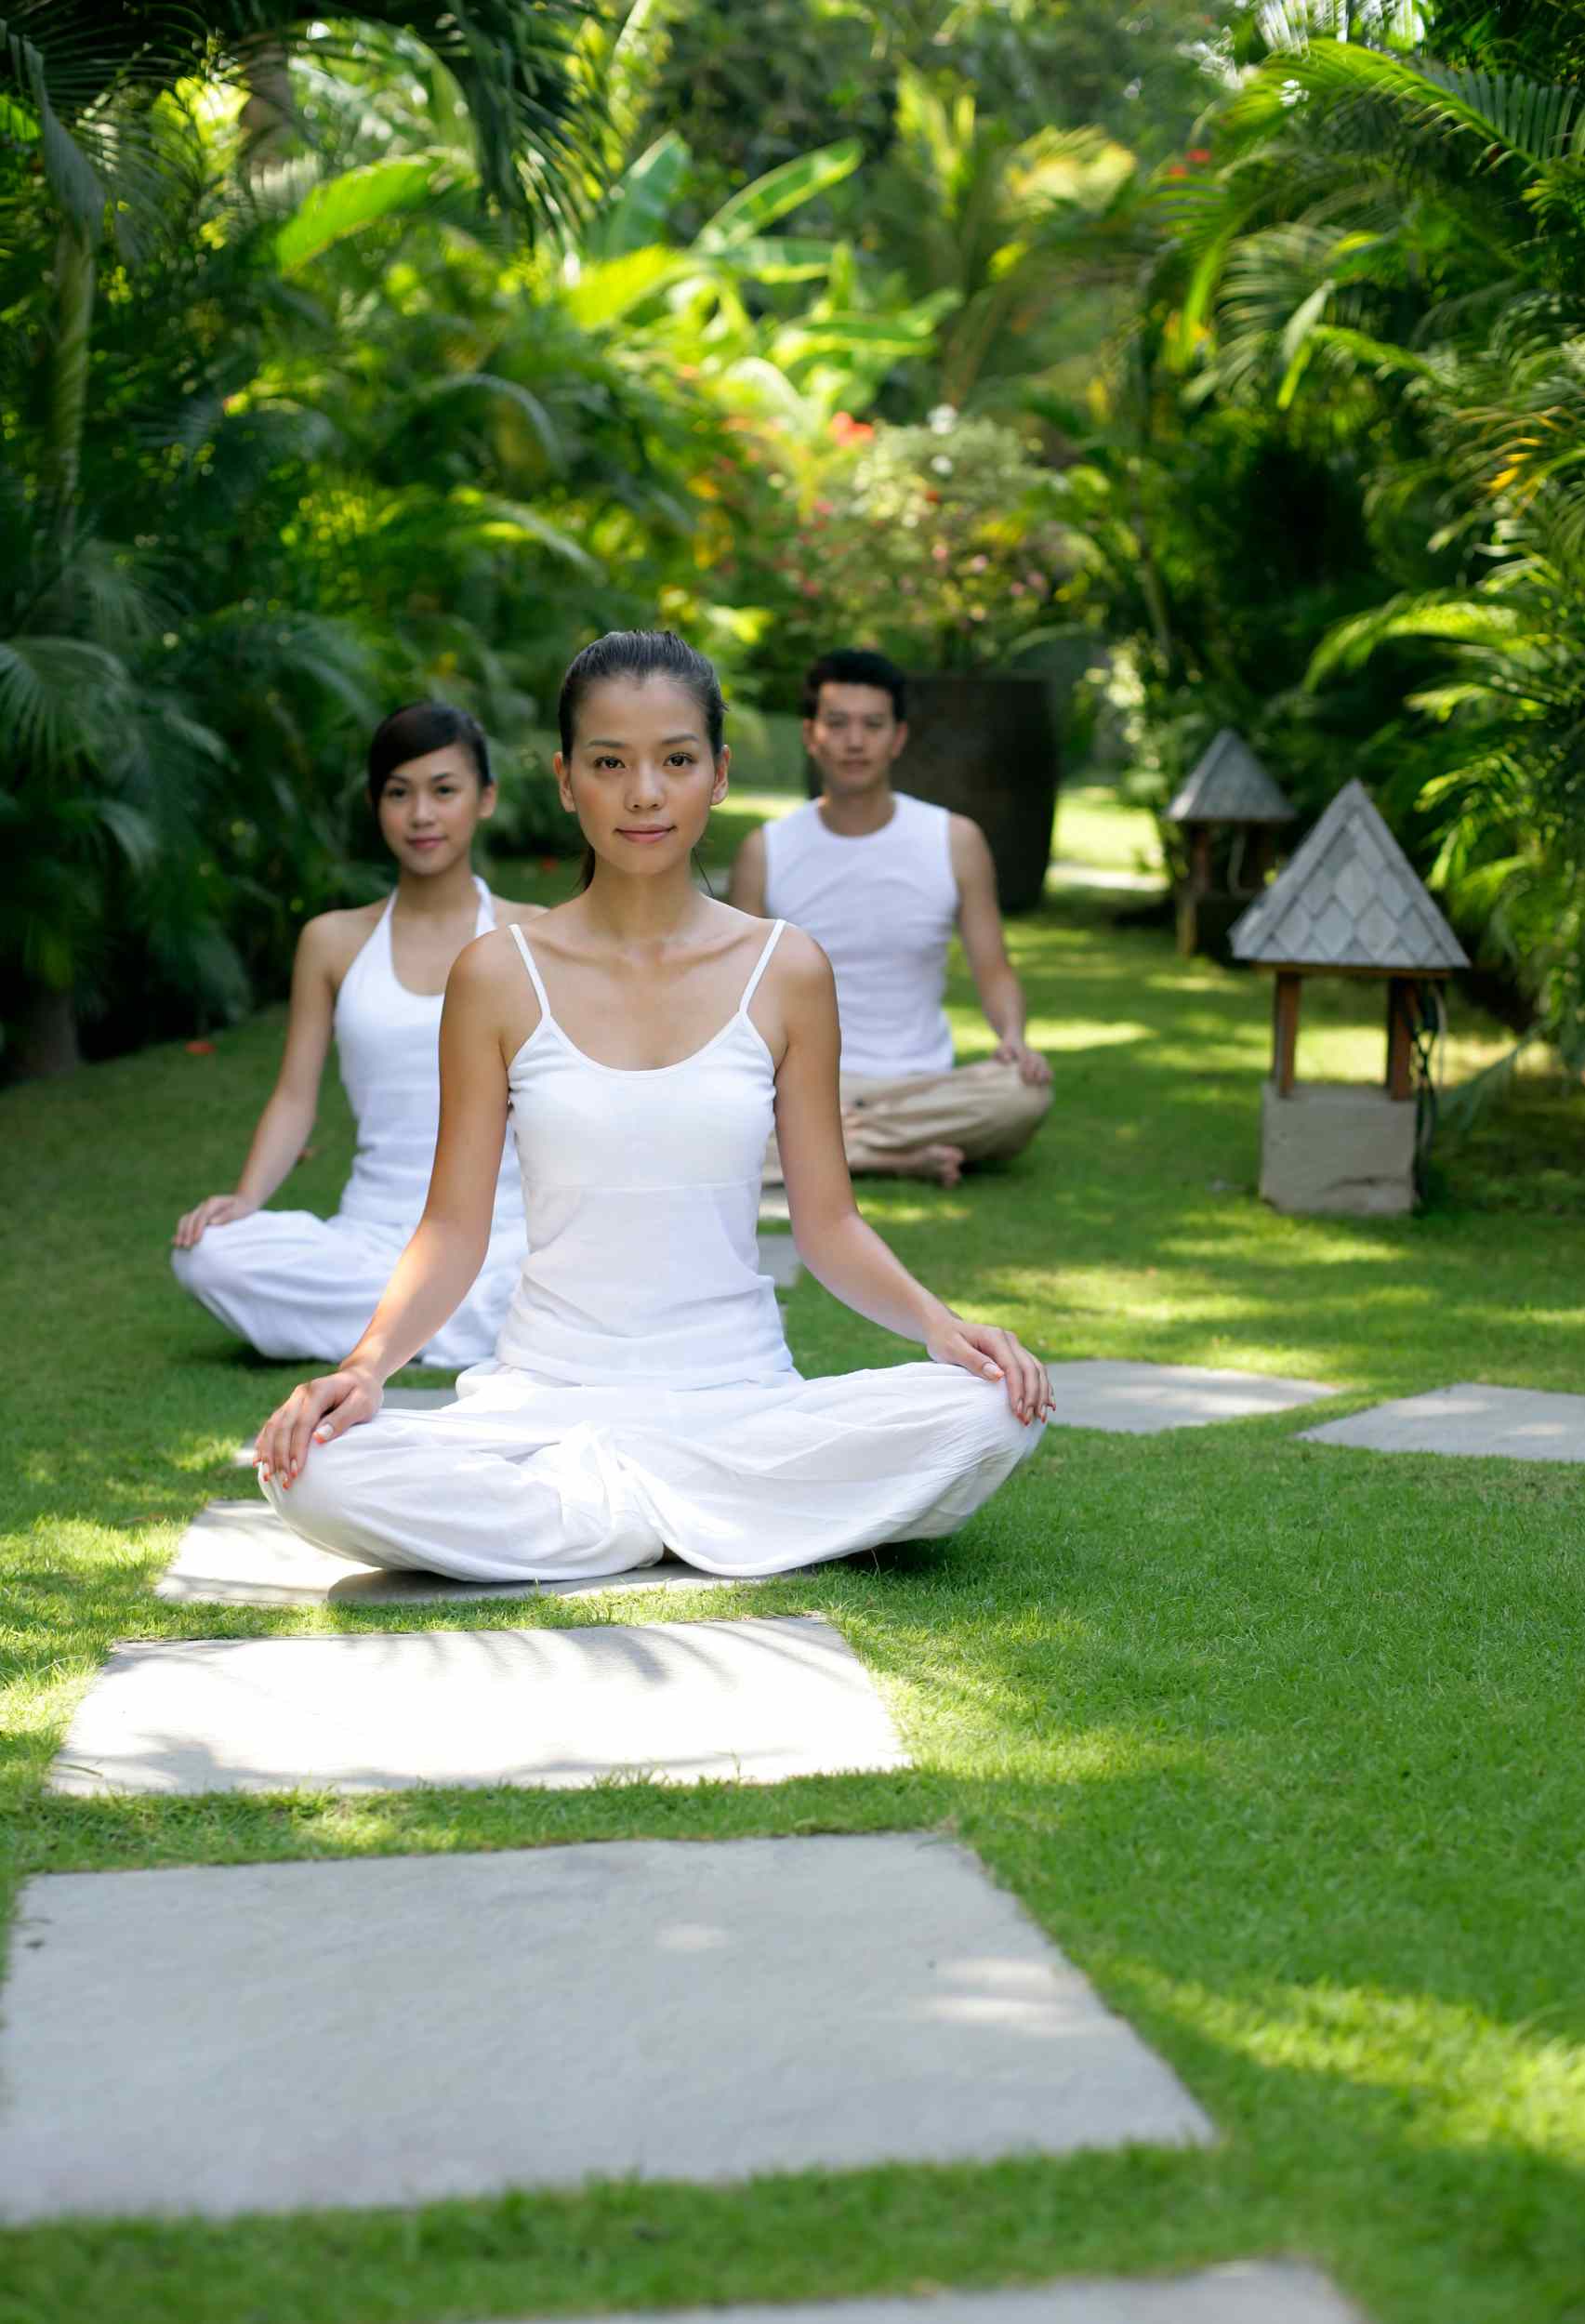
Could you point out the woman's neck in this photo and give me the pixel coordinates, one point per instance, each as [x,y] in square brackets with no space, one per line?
[438,897]
[652,911]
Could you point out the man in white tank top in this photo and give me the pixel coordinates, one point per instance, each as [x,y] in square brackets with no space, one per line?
[880,880]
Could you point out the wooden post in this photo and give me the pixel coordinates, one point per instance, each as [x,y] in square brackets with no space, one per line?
[1285,1029]
[1199,860]
[1403,995]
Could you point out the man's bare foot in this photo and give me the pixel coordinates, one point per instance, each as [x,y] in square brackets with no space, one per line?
[945,1164]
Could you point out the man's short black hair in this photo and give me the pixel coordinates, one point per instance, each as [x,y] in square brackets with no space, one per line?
[854,665]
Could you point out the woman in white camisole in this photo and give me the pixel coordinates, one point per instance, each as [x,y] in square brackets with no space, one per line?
[642,1397]
[294,1284]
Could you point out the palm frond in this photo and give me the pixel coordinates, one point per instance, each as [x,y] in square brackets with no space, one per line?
[58,698]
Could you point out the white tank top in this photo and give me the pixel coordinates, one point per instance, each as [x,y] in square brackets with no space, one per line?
[883,909]
[388,1048]
[641,1192]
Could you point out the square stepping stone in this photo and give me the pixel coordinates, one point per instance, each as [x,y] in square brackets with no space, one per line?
[404,2029]
[240,1554]
[779,1260]
[1514,1423]
[1243,2291]
[753,1702]
[1142,1399]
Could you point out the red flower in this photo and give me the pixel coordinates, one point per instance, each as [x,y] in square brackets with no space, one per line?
[1199,152]
[201,1049]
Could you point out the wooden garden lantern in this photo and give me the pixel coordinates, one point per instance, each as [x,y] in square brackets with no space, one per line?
[1229,811]
[1348,905]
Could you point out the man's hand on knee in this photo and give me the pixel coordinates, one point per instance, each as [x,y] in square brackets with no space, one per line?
[1032,1066]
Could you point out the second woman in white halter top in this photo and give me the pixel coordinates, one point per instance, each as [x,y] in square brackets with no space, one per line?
[292,1284]
[643,1396]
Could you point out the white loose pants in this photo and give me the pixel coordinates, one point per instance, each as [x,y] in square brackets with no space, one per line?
[298,1286]
[526,1480]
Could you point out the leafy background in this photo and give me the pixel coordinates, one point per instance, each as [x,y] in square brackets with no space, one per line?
[345,361]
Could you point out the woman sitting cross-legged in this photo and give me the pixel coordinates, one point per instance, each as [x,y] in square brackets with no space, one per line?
[292,1284]
[641,1396]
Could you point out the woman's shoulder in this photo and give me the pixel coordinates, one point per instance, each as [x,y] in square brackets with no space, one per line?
[798,965]
[488,959]
[333,939]
[796,946]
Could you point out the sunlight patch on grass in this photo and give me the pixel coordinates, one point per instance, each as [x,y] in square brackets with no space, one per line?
[1095,827]
[1466,2080]
[1084,1033]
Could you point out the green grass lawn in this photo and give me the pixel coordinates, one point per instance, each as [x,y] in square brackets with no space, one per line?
[1096,828]
[1283,1744]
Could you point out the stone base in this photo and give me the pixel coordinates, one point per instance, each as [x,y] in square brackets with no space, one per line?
[1337,1146]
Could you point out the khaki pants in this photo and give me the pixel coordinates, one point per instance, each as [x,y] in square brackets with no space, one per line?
[985,1110]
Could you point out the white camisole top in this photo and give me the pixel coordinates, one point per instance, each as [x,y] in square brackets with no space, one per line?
[641,1192]
[388,1048]
[882,908]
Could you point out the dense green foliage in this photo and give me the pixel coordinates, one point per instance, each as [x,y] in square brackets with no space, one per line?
[346,361]
[1335,498]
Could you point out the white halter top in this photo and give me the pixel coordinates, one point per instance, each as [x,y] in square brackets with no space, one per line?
[388,1047]
[641,1192]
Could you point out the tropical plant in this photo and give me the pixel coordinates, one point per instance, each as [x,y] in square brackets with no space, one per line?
[940,545]
[991,223]
[103,158]
[1339,500]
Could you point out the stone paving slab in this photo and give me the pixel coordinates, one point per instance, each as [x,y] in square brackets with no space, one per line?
[1243,2291]
[1142,1399]
[754,1701]
[240,1554]
[384,2030]
[1514,1423]
[779,1260]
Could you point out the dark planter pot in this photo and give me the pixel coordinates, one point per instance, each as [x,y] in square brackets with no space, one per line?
[984,746]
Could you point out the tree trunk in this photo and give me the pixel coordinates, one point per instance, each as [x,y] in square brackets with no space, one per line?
[269,118]
[69,382]
[48,1035]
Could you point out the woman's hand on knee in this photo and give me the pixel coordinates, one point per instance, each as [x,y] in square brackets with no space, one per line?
[993,1355]
[312,1415]
[218,1211]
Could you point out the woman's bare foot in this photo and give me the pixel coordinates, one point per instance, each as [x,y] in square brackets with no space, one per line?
[945,1164]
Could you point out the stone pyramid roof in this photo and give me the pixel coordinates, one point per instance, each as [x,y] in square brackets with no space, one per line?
[1230,785]
[1348,900]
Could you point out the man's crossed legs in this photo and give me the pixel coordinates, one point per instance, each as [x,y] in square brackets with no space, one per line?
[931,1125]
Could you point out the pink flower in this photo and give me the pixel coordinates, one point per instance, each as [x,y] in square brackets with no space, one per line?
[1036,580]
[809,588]
[979,565]
[941,552]
[1017,589]
[825,507]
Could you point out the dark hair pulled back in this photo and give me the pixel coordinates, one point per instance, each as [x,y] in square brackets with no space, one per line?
[417,729]
[639,654]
